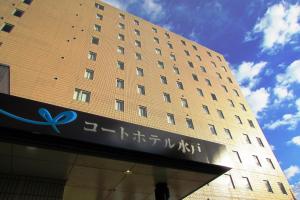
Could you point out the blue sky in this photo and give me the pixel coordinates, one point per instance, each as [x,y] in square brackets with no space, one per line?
[261,41]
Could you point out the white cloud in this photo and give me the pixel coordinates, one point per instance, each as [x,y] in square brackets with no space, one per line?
[296,189]
[119,4]
[168,26]
[153,9]
[295,140]
[273,147]
[291,74]
[292,171]
[258,100]
[279,26]
[282,93]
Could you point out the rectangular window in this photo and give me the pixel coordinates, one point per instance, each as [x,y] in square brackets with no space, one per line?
[81,95]
[99,6]
[137,43]
[141,89]
[121,16]
[138,56]
[184,103]
[259,141]
[224,68]
[160,64]
[195,77]
[92,56]
[228,133]
[208,53]
[183,42]
[281,186]
[89,74]
[156,40]
[167,97]
[120,50]
[237,155]
[208,82]
[256,160]
[119,105]
[219,58]
[163,80]
[236,92]
[4,79]
[97,27]
[95,40]
[120,65]
[225,88]
[121,37]
[136,22]
[200,92]
[191,65]
[170,45]
[167,35]
[172,57]
[268,186]
[176,70]
[219,75]
[229,79]
[187,52]
[139,71]
[157,51]
[121,26]
[154,30]
[251,123]
[99,16]
[270,163]
[247,139]
[137,32]
[198,57]
[205,109]
[28,2]
[120,83]
[189,123]
[220,114]
[238,119]
[246,183]
[212,129]
[202,69]
[230,102]
[229,181]
[214,64]
[142,111]
[243,107]
[194,47]
[179,85]
[170,119]
[214,97]
[18,13]
[7,27]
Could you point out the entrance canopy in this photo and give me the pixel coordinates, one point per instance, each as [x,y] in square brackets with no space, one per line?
[102,158]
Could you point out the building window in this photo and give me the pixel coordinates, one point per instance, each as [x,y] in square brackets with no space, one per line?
[97,28]
[89,74]
[120,65]
[191,65]
[167,35]
[229,79]
[139,71]
[179,85]
[156,40]
[224,68]
[251,123]
[220,113]
[167,97]
[92,56]
[120,50]
[268,186]
[225,88]
[198,57]
[236,92]
[137,43]
[219,75]
[228,133]
[194,47]
[270,163]
[95,40]
[141,89]
[230,102]
[259,141]
[187,52]
[154,30]
[184,103]
[27,2]
[281,186]
[208,82]
[163,80]
[99,16]
[247,138]
[170,119]
[243,107]
[121,16]
[176,70]
[195,77]
[246,184]
[120,83]
[208,53]
[99,6]
[189,123]
[137,32]
[121,26]
[7,27]
[142,111]
[237,155]
[119,105]
[256,160]
[219,58]
[205,109]
[238,119]
[170,45]
[160,64]
[183,42]
[202,69]
[229,181]
[121,37]
[82,95]
[18,13]
[172,57]
[200,92]
[212,129]
[214,64]
[214,97]
[136,22]
[138,56]
[4,79]
[158,51]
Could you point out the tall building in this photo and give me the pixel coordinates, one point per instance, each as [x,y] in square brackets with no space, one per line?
[117,74]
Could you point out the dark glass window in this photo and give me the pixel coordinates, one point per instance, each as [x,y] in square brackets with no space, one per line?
[4,79]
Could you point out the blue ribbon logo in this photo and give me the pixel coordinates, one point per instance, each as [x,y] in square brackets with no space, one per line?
[62,118]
